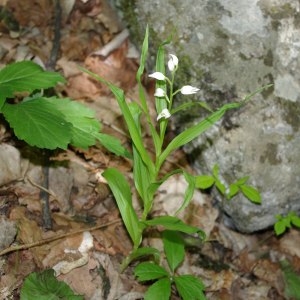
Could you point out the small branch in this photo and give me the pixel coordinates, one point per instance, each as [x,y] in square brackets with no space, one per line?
[49,240]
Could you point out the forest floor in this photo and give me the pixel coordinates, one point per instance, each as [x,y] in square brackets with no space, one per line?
[232,265]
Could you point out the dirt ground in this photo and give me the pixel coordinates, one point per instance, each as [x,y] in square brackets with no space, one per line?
[232,265]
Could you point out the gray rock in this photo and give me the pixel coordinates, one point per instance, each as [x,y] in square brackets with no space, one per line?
[8,231]
[9,164]
[230,48]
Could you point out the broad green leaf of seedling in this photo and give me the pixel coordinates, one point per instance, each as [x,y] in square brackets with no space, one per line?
[85,126]
[39,123]
[25,76]
[174,248]
[190,287]
[161,290]
[45,286]
[292,281]
[146,271]
[121,191]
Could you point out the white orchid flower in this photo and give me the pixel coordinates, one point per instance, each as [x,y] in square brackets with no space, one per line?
[188,90]
[164,114]
[157,76]
[173,62]
[159,92]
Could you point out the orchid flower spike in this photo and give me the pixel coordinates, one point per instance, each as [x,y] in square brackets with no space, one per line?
[157,76]
[164,114]
[159,92]
[188,90]
[173,62]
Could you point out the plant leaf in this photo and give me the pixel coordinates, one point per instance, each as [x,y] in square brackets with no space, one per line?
[292,281]
[149,271]
[121,191]
[85,126]
[233,190]
[39,123]
[251,193]
[204,181]
[174,248]
[44,286]
[194,131]
[280,227]
[138,253]
[189,192]
[113,144]
[141,172]
[133,130]
[159,290]
[25,76]
[242,180]
[189,287]
[295,220]
[173,223]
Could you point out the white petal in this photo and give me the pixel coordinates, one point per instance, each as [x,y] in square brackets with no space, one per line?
[173,62]
[164,114]
[159,92]
[188,90]
[157,75]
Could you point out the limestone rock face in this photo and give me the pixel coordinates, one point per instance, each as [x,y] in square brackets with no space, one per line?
[230,48]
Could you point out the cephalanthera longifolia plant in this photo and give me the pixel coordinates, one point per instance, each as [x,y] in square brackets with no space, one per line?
[147,178]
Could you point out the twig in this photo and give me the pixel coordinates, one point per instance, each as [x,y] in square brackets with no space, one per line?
[113,44]
[41,187]
[49,240]
[44,196]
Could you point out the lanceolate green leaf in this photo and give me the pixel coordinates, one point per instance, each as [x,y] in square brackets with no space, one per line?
[25,76]
[121,191]
[113,144]
[173,223]
[204,181]
[39,123]
[142,94]
[194,131]
[133,130]
[189,192]
[142,176]
[251,193]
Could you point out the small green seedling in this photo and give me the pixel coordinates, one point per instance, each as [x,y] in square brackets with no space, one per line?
[45,286]
[45,122]
[207,181]
[188,286]
[283,223]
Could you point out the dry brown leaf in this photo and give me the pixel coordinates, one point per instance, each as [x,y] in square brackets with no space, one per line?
[290,243]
